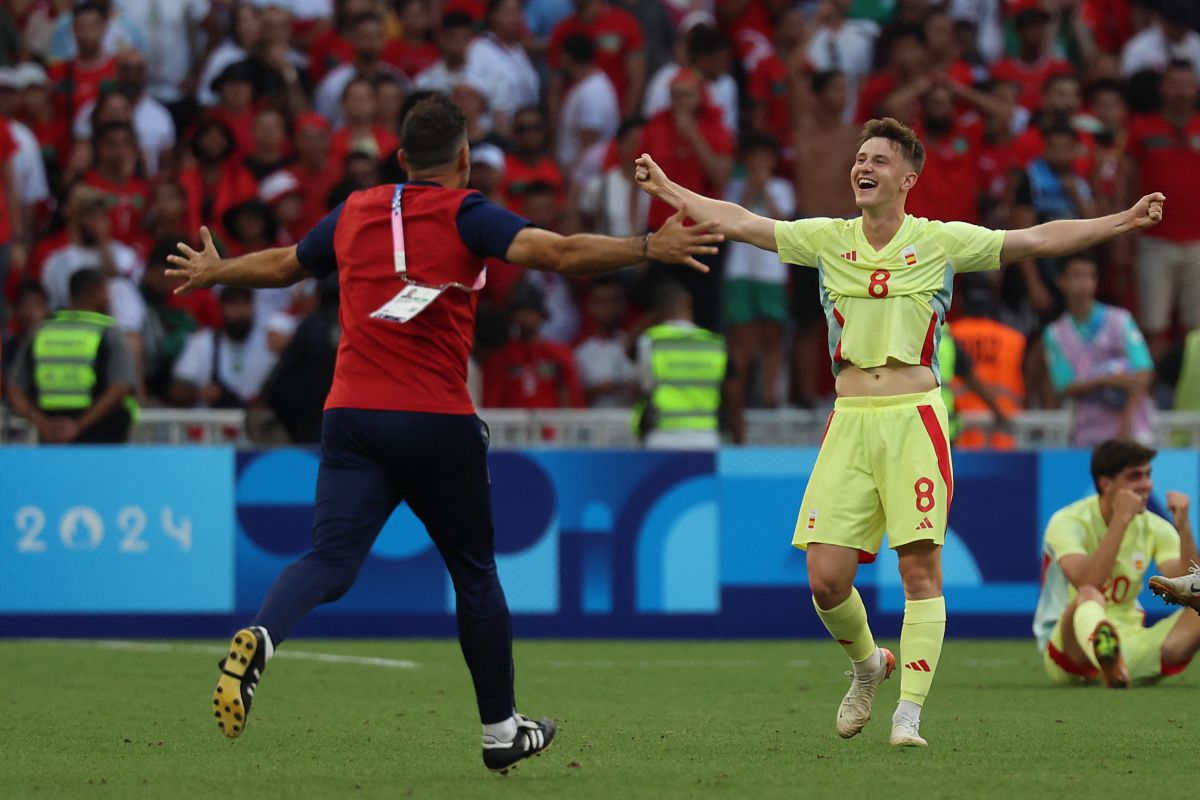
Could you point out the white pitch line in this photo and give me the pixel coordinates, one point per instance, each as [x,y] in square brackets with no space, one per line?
[164,647]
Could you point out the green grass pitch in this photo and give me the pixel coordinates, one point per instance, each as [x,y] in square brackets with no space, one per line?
[637,719]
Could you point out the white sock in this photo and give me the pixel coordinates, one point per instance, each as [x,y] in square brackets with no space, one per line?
[504,731]
[869,665]
[909,709]
[270,651]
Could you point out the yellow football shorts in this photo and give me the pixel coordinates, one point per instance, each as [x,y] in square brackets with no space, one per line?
[1141,648]
[884,464]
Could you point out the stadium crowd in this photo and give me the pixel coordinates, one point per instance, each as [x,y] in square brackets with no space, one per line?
[128,124]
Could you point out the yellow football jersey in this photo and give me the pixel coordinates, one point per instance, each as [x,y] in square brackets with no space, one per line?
[1079,528]
[889,303]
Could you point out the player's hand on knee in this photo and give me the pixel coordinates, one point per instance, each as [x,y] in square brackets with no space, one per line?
[676,243]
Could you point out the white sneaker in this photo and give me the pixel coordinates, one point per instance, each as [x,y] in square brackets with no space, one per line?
[855,710]
[906,732]
[1181,591]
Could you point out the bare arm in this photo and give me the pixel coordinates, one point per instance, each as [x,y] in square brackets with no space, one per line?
[731,220]
[717,168]
[1066,236]
[589,254]
[277,266]
[23,406]
[1094,569]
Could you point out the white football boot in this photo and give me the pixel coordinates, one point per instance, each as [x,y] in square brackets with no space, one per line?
[906,731]
[1181,591]
[855,710]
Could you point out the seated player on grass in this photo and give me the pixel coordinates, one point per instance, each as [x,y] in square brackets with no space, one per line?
[1088,621]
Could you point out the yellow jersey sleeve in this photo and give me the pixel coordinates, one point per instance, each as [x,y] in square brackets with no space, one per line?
[1066,535]
[1165,539]
[970,248]
[800,241]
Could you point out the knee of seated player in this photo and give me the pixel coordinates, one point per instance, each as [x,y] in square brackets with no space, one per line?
[1087,594]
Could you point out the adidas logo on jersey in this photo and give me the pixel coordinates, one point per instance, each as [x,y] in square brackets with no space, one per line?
[851,256]
[925,524]
[918,666]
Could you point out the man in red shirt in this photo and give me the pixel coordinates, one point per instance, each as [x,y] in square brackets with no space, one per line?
[12,234]
[692,138]
[1164,151]
[127,195]
[770,85]
[314,169]
[399,423]
[361,134]
[529,371]
[950,183]
[529,161]
[79,79]
[1034,64]
[619,50]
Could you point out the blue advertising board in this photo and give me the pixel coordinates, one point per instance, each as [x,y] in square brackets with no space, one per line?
[589,543]
[116,530]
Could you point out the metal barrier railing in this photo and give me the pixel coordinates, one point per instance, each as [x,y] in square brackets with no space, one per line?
[608,428]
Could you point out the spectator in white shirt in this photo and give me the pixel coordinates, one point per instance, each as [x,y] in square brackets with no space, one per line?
[497,62]
[453,39]
[151,121]
[120,33]
[756,296]
[706,50]
[172,41]
[90,245]
[1172,36]
[590,112]
[368,37]
[609,377]
[29,170]
[244,35]
[843,45]
[225,368]
[610,201]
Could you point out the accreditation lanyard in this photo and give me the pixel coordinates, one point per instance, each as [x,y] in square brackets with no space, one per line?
[414,297]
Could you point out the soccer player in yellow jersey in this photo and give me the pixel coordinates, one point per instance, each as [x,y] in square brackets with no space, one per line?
[885,282]
[1088,622]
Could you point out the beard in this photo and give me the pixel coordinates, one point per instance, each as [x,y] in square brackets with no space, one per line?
[238,330]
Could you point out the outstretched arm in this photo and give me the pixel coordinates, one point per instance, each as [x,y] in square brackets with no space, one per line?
[277,266]
[1066,236]
[730,220]
[589,254]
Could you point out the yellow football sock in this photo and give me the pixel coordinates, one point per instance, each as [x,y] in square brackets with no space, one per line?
[1088,615]
[847,622]
[920,646]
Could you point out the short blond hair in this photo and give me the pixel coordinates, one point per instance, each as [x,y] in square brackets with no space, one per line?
[899,134]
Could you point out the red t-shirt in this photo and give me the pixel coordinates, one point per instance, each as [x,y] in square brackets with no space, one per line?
[519,174]
[1168,161]
[475,9]
[409,58]
[329,50]
[753,23]
[206,204]
[617,35]
[202,304]
[1031,144]
[242,128]
[8,148]
[678,159]
[419,365]
[77,85]
[1030,78]
[532,375]
[768,84]
[386,143]
[950,183]
[997,163]
[315,188]
[126,205]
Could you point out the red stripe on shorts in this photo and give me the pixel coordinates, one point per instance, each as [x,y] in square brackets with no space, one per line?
[1067,665]
[934,429]
[1167,670]
[927,350]
[828,422]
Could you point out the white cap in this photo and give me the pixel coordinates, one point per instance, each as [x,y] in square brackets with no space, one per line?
[278,185]
[489,155]
[9,79]
[31,74]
